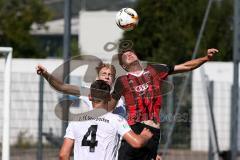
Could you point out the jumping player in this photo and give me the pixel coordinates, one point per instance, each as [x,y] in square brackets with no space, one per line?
[141,90]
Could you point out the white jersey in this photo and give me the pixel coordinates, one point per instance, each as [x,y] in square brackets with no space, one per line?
[97,139]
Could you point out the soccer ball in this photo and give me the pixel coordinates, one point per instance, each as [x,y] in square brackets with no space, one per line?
[127,19]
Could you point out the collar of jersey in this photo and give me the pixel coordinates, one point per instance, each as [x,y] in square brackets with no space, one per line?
[136,75]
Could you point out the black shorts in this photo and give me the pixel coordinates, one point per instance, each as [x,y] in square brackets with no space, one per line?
[148,152]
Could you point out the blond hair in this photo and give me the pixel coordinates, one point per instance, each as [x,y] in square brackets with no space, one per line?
[106,65]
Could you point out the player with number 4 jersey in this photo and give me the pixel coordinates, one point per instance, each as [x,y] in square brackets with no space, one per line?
[97,138]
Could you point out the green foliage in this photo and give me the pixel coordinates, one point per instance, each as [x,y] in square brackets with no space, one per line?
[16,18]
[168,29]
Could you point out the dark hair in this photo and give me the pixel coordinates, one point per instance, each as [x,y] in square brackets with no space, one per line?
[121,52]
[100,90]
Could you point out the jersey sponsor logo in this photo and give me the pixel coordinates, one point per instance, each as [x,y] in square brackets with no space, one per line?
[141,88]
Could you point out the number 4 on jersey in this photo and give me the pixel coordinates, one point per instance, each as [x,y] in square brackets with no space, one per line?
[92,143]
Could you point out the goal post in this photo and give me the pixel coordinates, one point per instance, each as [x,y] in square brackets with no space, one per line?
[7,52]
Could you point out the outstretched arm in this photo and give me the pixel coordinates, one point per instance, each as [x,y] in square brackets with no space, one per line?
[195,63]
[56,83]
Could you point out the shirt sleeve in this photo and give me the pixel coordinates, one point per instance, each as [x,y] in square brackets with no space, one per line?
[85,103]
[120,108]
[122,125]
[121,102]
[163,69]
[69,131]
[118,90]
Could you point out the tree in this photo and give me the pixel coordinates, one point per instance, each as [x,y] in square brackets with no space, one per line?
[168,29]
[16,18]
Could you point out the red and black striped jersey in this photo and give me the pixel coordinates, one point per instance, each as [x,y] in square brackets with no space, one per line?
[142,92]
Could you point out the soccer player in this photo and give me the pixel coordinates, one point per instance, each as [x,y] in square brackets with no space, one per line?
[106,72]
[98,138]
[141,89]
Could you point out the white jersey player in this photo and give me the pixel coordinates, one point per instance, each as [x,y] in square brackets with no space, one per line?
[97,138]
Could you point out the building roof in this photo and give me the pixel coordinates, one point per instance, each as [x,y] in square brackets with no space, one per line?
[55,27]
[56,6]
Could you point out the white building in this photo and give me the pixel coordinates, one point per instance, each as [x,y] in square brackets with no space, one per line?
[96,29]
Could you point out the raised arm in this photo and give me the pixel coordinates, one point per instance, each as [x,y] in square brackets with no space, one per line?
[138,141]
[56,83]
[195,63]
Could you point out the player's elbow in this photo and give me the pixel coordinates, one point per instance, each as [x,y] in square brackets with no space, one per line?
[138,144]
[57,87]
[136,141]
[66,90]
[183,68]
[187,68]
[63,156]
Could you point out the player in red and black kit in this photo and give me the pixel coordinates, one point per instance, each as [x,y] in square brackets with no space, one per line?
[141,89]
[142,92]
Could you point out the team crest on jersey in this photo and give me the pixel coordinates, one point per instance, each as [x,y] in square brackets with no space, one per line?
[130,81]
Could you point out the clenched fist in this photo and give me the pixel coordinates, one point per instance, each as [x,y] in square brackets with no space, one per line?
[211,52]
[40,69]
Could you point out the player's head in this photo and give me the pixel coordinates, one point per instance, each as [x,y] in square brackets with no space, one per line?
[106,72]
[126,58]
[100,91]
